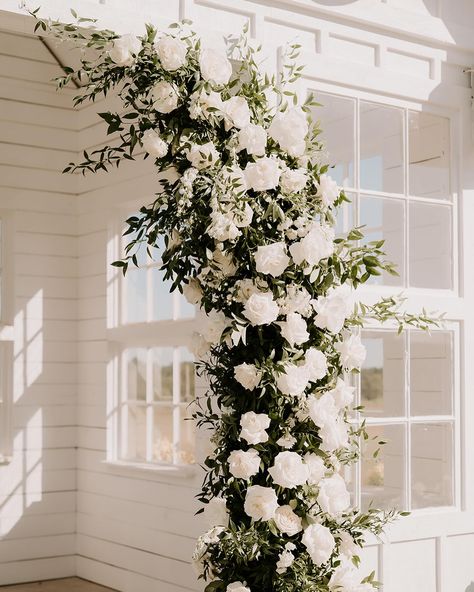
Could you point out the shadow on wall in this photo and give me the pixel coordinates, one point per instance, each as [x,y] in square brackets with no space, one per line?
[470,588]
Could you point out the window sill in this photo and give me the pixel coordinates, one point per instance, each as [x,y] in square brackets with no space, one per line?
[152,471]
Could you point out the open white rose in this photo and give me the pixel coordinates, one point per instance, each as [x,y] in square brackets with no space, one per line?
[286,441]
[347,545]
[333,497]
[192,291]
[153,144]
[287,521]
[164,96]
[327,190]
[316,467]
[333,309]
[237,112]
[261,309]
[222,227]
[264,174]
[253,139]
[244,464]
[214,66]
[125,49]
[205,105]
[294,329]
[316,363]
[171,52]
[346,578]
[342,393]
[203,156]
[352,351]
[334,435]
[293,181]
[316,245]
[289,130]
[213,326]
[319,543]
[289,470]
[285,559]
[248,375]
[254,427]
[260,502]
[293,380]
[237,587]
[322,410]
[243,217]
[272,259]
[216,512]
[297,299]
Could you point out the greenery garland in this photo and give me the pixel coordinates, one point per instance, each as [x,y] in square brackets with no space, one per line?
[247,211]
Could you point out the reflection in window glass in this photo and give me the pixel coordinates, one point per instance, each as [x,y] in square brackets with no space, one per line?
[163,444]
[384,220]
[381,148]
[136,360]
[186,375]
[383,477]
[186,453]
[431,373]
[136,433]
[430,246]
[432,465]
[383,374]
[162,373]
[337,124]
[428,155]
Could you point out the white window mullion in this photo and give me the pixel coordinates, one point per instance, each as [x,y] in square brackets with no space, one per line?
[149,406]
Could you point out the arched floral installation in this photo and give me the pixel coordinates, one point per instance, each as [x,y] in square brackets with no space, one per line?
[247,209]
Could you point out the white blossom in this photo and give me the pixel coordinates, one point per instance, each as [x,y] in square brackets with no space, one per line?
[327,190]
[216,512]
[214,66]
[244,464]
[294,379]
[287,520]
[318,244]
[347,545]
[253,139]
[294,329]
[213,326]
[316,363]
[203,156]
[333,309]
[352,351]
[125,49]
[322,410]
[297,299]
[293,181]
[261,309]
[164,96]
[286,441]
[260,502]
[237,112]
[154,144]
[319,543]
[342,393]
[263,174]
[248,375]
[171,52]
[237,587]
[334,435]
[272,259]
[333,497]
[192,291]
[254,426]
[285,559]
[289,470]
[316,467]
[289,130]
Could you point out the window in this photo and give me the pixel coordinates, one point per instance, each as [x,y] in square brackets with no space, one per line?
[152,381]
[395,164]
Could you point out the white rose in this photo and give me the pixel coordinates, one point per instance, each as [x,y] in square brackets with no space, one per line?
[215,67]
[261,309]
[294,329]
[171,52]
[334,435]
[319,543]
[198,556]
[316,245]
[347,579]
[237,112]
[222,227]
[153,144]
[316,363]
[253,139]
[245,289]
[327,190]
[125,50]
[192,291]
[316,467]
[244,464]
[203,156]
[216,512]
[287,521]
[243,218]
[272,259]
[253,427]
[333,309]
[297,299]
[293,181]
[237,587]
[164,96]
[352,352]
[289,470]
[285,560]
[213,326]
[347,545]
[333,497]
[247,375]
[293,380]
[212,535]
[286,441]
[260,502]
[322,410]
[289,130]
[205,105]
[263,174]
[199,346]
[342,393]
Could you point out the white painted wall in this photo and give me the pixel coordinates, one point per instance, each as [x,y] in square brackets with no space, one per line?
[134,530]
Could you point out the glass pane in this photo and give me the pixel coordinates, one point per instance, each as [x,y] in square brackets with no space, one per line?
[136,288]
[381,148]
[345,219]
[162,358]
[430,246]
[384,220]
[186,375]
[432,465]
[163,434]
[337,124]
[431,373]
[187,444]
[162,297]
[135,360]
[382,375]
[429,155]
[383,477]
[136,435]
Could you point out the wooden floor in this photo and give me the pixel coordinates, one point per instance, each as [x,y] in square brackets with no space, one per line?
[66,585]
